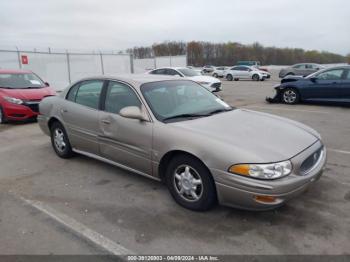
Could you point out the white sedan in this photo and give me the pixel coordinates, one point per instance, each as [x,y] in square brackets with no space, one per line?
[246,72]
[209,82]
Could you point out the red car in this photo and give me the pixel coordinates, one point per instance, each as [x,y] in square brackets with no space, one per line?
[20,94]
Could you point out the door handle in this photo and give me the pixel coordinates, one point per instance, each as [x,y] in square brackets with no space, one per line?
[105,122]
[64,111]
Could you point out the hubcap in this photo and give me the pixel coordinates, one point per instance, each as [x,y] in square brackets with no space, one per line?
[289,96]
[60,144]
[188,183]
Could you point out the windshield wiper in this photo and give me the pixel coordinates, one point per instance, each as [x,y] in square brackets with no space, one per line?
[220,111]
[185,116]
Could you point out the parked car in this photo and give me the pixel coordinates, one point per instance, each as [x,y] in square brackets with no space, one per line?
[249,63]
[197,69]
[327,85]
[211,83]
[208,69]
[20,94]
[304,69]
[219,71]
[175,131]
[246,72]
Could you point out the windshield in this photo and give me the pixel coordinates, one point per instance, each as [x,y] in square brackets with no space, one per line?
[181,100]
[189,72]
[20,81]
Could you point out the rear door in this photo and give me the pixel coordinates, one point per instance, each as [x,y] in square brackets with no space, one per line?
[80,115]
[123,140]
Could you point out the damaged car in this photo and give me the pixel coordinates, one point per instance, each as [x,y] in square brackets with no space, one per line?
[328,85]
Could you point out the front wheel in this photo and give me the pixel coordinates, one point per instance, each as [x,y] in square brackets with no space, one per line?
[215,75]
[190,183]
[59,141]
[290,96]
[256,77]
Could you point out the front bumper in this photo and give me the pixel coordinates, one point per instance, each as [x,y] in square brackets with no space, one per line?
[22,112]
[241,192]
[43,122]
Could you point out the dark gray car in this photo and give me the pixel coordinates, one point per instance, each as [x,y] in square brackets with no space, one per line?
[303,69]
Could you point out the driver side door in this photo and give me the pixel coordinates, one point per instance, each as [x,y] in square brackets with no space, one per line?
[125,141]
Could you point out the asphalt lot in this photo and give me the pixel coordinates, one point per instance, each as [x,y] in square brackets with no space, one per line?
[82,206]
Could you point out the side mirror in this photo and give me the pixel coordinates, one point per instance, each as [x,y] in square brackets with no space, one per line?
[47,84]
[134,112]
[313,79]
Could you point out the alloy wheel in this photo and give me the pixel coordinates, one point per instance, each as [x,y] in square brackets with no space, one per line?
[59,140]
[289,96]
[188,183]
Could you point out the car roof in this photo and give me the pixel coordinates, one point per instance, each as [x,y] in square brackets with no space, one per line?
[135,80]
[14,71]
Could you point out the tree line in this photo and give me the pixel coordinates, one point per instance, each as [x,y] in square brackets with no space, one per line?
[203,53]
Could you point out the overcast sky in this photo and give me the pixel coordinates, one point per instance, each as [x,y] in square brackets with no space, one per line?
[119,24]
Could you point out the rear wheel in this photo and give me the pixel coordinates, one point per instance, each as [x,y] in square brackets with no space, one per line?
[2,116]
[256,77]
[290,96]
[59,140]
[190,183]
[229,77]
[215,75]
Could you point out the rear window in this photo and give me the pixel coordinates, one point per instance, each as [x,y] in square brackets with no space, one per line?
[20,81]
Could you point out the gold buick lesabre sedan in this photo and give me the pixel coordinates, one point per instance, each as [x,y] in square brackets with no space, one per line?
[178,132]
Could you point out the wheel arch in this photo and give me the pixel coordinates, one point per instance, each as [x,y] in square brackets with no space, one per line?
[167,157]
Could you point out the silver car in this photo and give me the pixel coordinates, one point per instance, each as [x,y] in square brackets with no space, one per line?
[178,132]
[303,69]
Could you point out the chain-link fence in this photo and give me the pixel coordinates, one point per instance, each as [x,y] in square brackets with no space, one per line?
[60,69]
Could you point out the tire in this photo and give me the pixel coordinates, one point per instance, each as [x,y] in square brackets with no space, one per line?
[236,79]
[229,77]
[2,116]
[290,96]
[256,77]
[203,197]
[215,75]
[60,141]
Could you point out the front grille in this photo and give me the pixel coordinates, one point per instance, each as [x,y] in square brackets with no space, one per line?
[312,161]
[216,85]
[33,105]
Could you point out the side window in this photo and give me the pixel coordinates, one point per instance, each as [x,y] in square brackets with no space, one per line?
[72,93]
[347,75]
[299,66]
[88,93]
[160,72]
[334,74]
[119,96]
[172,72]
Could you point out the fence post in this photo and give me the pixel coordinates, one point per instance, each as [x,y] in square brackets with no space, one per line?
[102,67]
[155,61]
[170,61]
[19,58]
[132,70]
[68,67]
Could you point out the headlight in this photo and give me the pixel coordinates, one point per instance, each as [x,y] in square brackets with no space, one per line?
[204,83]
[13,100]
[263,171]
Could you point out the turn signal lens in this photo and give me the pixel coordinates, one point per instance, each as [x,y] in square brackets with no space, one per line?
[240,169]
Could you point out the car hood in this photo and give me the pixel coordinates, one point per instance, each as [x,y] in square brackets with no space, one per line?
[28,94]
[204,79]
[257,137]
